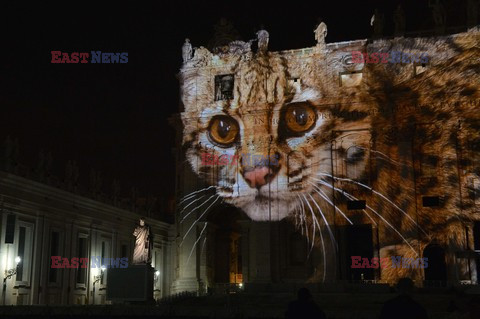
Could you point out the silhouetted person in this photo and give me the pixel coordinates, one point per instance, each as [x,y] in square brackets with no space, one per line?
[474,307]
[403,306]
[304,307]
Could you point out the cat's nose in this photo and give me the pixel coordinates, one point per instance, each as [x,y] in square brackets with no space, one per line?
[258,176]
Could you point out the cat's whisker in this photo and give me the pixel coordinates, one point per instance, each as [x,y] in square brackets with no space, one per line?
[190,195]
[180,214]
[384,155]
[332,237]
[304,218]
[195,244]
[376,193]
[314,230]
[325,197]
[349,196]
[366,213]
[195,222]
[203,245]
[315,221]
[197,207]
[298,217]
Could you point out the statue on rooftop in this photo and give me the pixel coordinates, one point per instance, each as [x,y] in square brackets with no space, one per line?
[263,37]
[321,33]
[187,51]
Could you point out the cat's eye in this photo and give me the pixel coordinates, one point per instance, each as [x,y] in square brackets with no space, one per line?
[223,130]
[299,118]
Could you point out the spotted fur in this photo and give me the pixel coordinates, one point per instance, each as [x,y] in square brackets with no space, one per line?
[392,139]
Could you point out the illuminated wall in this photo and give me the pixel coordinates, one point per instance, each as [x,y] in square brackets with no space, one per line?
[334,144]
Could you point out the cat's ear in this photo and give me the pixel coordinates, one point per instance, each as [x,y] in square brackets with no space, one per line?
[195,91]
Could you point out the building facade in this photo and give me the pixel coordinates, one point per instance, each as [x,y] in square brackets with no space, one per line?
[246,222]
[40,220]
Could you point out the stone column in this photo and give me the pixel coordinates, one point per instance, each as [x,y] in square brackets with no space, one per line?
[187,279]
[245,249]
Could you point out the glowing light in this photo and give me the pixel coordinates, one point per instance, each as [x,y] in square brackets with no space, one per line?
[18,260]
[157,273]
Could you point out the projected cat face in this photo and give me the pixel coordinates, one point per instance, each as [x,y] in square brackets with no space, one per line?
[264,149]
[275,135]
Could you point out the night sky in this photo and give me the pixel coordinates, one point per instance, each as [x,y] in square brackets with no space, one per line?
[113,117]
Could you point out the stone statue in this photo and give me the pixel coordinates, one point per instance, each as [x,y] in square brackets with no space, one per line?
[262,37]
[321,33]
[399,21]
[202,57]
[187,51]
[142,253]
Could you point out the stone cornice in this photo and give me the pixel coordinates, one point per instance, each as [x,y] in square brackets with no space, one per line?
[31,196]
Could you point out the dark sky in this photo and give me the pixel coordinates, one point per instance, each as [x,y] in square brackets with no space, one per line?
[113,117]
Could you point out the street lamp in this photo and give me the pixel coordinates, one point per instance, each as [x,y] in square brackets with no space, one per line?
[9,274]
[13,271]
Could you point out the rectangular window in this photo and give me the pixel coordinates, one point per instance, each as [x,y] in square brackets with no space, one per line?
[430,201]
[24,251]
[10,230]
[21,253]
[54,251]
[224,87]
[81,253]
[356,204]
[105,254]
